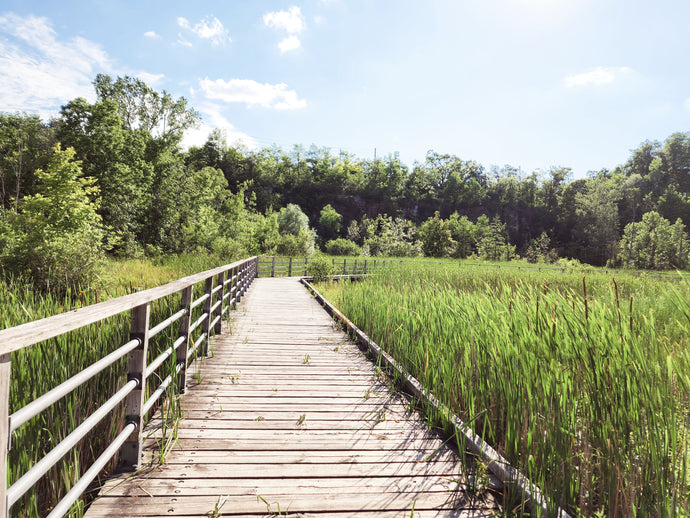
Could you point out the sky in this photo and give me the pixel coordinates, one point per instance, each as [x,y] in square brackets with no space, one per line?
[529,83]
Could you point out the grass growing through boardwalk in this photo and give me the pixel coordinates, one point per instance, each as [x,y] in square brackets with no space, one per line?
[41,367]
[582,383]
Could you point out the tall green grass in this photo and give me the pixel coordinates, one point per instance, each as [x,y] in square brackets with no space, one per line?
[41,367]
[581,382]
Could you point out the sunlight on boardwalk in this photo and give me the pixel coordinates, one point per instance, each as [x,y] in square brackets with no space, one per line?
[289,417]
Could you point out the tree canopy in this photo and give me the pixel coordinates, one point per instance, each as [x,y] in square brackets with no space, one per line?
[151,196]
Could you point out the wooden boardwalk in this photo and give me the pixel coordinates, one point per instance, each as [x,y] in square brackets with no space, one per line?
[289,417]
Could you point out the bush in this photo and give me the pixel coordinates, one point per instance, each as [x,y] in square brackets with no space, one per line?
[299,245]
[56,237]
[320,268]
[342,246]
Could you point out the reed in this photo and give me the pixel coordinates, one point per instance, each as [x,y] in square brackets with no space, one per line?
[582,382]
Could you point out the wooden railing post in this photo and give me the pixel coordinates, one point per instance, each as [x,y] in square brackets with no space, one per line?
[242,279]
[206,324]
[219,311]
[345,266]
[134,404]
[290,268]
[233,284]
[183,349]
[273,266]
[5,371]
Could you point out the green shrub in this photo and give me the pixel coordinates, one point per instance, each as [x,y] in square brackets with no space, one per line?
[56,237]
[342,246]
[320,268]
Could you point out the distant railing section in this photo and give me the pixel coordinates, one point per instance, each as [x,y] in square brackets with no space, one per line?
[275,266]
[278,266]
[223,287]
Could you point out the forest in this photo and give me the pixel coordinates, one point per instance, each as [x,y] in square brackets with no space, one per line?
[112,178]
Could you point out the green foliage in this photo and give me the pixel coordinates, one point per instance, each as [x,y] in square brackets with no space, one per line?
[56,238]
[25,145]
[654,244]
[464,234]
[540,250]
[320,268]
[291,220]
[492,244]
[155,196]
[436,237]
[299,245]
[342,247]
[385,236]
[296,237]
[329,223]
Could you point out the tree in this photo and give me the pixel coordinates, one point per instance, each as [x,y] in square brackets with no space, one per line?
[464,233]
[329,223]
[597,220]
[296,236]
[114,156]
[492,244]
[25,145]
[654,243]
[56,236]
[436,237]
[141,107]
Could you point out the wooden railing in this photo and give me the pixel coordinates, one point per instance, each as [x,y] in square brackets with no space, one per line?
[222,289]
[274,266]
[278,266]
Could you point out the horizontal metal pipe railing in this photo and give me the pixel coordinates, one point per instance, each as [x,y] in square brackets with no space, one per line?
[82,485]
[21,486]
[160,359]
[39,404]
[166,323]
[200,300]
[198,322]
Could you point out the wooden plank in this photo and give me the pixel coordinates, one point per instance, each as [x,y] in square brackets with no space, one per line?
[149,485]
[373,442]
[292,503]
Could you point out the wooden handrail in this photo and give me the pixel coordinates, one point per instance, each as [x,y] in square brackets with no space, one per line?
[219,283]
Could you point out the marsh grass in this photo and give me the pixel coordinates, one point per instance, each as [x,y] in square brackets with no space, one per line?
[41,367]
[582,382]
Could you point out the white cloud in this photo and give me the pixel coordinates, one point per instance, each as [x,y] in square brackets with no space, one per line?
[687,104]
[213,119]
[289,43]
[39,72]
[152,35]
[252,93]
[597,77]
[318,19]
[182,41]
[153,80]
[290,21]
[210,28]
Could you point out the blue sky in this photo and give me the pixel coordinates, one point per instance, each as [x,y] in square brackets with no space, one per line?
[530,83]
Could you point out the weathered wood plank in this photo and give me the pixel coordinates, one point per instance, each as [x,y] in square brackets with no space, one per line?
[292,503]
